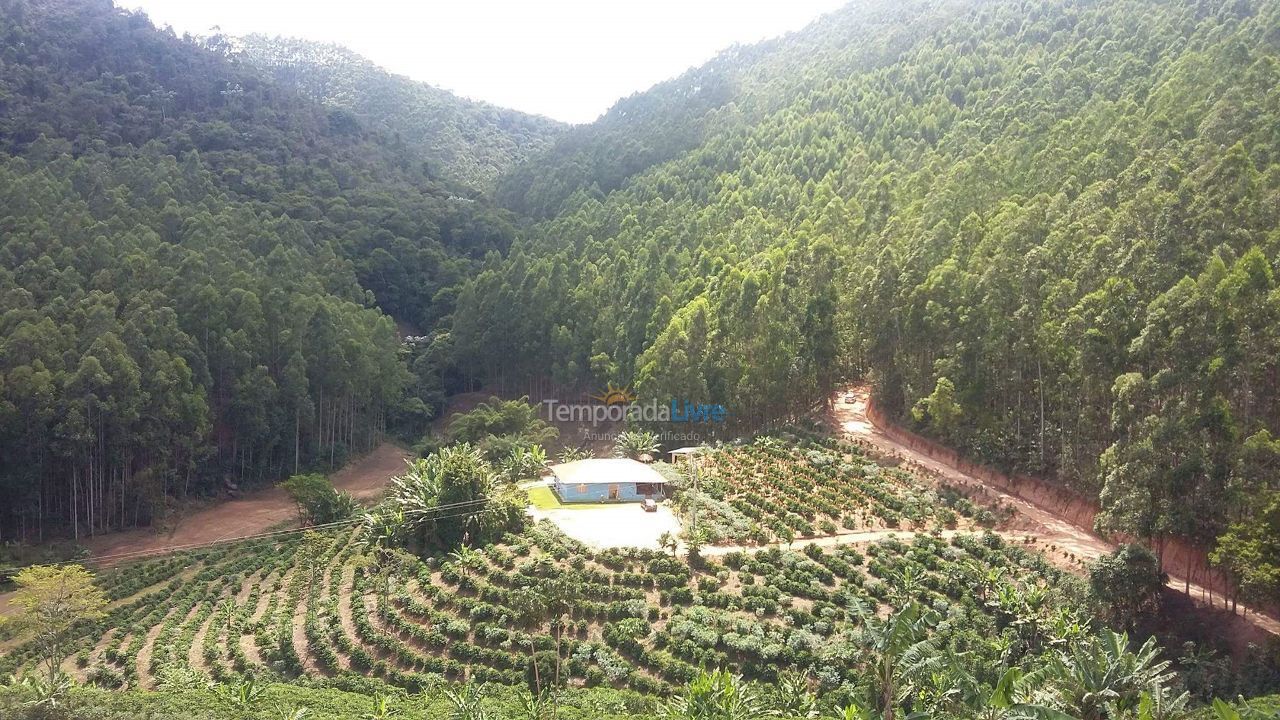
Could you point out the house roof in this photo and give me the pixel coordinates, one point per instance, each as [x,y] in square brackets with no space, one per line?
[691,450]
[606,471]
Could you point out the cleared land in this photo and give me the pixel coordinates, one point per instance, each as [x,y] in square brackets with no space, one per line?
[634,618]
[613,526]
[255,512]
[1052,530]
[638,618]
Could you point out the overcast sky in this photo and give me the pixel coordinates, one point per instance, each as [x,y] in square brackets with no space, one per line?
[567,59]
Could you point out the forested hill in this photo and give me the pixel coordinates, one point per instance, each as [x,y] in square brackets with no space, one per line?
[463,140]
[1047,231]
[736,89]
[196,266]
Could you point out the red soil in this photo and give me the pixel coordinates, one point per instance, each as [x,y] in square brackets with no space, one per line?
[254,513]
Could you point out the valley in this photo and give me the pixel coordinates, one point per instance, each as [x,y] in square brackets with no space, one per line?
[325,604]
[917,363]
[225,611]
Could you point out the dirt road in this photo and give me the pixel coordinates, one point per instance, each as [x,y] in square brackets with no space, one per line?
[852,419]
[256,512]
[830,541]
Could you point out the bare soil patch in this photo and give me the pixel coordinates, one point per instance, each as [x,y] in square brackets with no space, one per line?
[1055,534]
[256,512]
[301,646]
[143,662]
[195,653]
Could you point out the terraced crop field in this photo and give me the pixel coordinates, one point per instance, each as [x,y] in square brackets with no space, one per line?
[323,605]
[776,489]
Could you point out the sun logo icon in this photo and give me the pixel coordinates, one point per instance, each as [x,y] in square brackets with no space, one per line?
[615,396]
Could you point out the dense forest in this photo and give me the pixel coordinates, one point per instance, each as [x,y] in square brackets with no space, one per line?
[726,94]
[198,269]
[1047,232]
[459,139]
[1043,233]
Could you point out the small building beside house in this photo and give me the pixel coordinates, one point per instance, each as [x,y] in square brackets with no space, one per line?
[607,480]
[686,453]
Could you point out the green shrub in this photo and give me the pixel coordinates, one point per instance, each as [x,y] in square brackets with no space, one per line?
[317,501]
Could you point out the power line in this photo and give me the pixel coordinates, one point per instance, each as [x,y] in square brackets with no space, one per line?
[446,506]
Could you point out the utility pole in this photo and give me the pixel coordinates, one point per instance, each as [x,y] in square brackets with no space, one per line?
[693,472]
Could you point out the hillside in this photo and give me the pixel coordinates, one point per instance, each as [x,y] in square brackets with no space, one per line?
[1046,232]
[735,90]
[921,586]
[334,607]
[198,268]
[462,140]
[1042,236]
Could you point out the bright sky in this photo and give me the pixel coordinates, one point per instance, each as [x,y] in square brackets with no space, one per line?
[567,59]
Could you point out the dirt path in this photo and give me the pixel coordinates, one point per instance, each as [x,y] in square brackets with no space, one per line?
[255,512]
[852,419]
[195,653]
[248,642]
[1056,554]
[7,608]
[346,610]
[264,596]
[828,541]
[143,661]
[850,538]
[301,645]
[81,674]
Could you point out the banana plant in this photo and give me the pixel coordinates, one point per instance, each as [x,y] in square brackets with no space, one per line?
[1066,626]
[466,559]
[902,651]
[1241,710]
[535,706]
[1161,703]
[245,695]
[717,695]
[909,582]
[227,609]
[790,697]
[45,695]
[853,711]
[288,712]
[1100,678]
[1013,699]
[466,703]
[382,709]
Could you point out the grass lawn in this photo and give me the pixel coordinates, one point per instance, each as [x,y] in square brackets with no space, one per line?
[541,497]
[544,498]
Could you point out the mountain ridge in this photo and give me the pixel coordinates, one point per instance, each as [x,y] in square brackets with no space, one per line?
[1046,232]
[469,141]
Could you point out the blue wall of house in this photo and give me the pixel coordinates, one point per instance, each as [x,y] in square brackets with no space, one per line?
[599,492]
